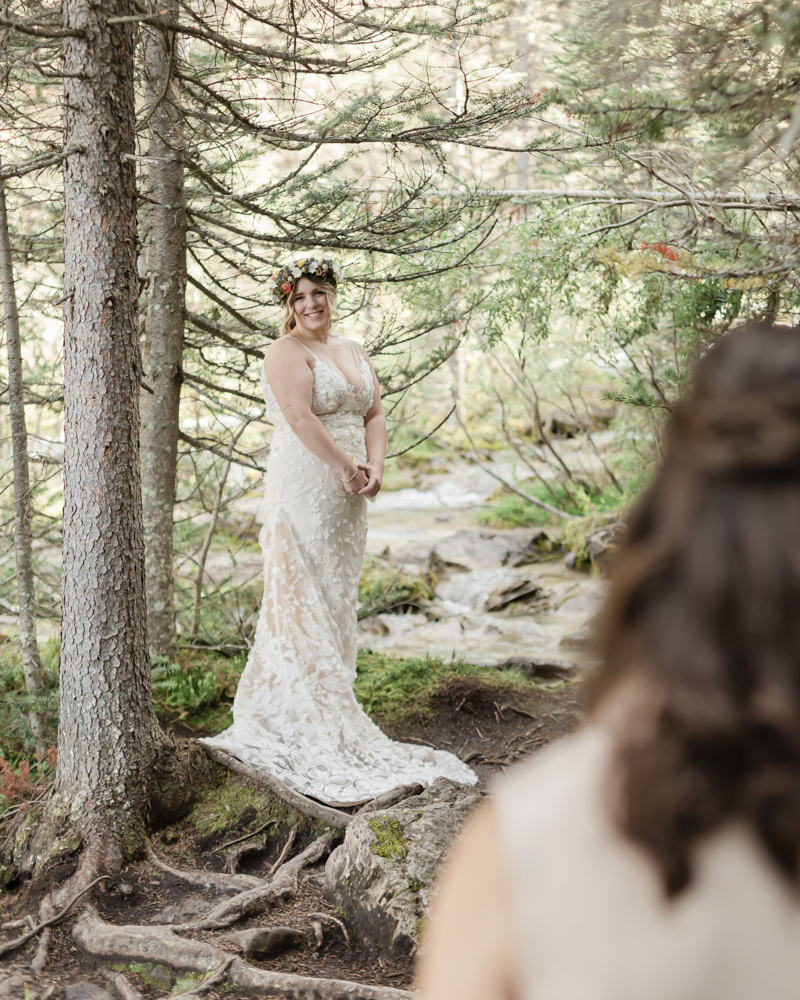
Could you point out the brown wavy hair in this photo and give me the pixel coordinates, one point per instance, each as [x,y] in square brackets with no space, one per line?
[703,614]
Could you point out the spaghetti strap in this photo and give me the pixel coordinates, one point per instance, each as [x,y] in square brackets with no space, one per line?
[357,359]
[306,349]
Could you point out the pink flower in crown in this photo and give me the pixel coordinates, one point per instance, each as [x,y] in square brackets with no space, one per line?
[286,288]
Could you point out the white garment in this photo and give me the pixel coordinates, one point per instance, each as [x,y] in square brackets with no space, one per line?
[295,713]
[594,923]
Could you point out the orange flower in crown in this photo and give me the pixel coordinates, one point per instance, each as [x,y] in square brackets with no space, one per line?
[321,268]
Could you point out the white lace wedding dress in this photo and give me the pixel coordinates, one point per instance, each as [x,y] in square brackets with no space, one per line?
[295,713]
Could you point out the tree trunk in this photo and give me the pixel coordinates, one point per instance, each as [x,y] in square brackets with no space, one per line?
[163,345]
[31,663]
[109,737]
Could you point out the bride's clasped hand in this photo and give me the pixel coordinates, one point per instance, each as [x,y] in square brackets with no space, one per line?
[295,713]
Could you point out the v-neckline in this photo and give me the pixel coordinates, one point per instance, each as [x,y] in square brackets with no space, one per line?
[349,386]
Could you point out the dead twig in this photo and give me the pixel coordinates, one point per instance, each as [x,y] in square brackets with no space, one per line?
[286,848]
[7,947]
[230,843]
[334,920]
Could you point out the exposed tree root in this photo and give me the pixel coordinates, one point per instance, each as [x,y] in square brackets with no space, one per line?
[235,858]
[267,942]
[162,945]
[254,901]
[308,807]
[42,953]
[390,798]
[208,880]
[8,946]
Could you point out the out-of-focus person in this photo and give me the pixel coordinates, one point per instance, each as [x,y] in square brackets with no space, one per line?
[653,855]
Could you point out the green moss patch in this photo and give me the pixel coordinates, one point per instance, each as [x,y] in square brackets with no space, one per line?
[234,803]
[390,841]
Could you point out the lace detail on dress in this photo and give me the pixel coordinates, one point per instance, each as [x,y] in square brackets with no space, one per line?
[295,713]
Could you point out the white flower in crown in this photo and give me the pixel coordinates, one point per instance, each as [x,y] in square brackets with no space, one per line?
[296,271]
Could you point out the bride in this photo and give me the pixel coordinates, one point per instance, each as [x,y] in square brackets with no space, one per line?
[295,713]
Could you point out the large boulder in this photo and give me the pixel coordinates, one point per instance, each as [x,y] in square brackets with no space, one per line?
[469,550]
[382,874]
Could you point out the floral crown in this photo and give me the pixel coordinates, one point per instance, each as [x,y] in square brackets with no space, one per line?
[322,268]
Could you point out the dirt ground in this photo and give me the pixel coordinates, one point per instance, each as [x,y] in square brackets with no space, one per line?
[488,727]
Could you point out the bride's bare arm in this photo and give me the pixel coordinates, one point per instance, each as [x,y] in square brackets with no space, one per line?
[290,377]
[375,428]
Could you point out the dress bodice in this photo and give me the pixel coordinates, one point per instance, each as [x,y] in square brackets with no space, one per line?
[330,394]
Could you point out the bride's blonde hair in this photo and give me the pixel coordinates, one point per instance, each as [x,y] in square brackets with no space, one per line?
[289,321]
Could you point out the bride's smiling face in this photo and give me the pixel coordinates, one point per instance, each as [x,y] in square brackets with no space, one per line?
[311,310]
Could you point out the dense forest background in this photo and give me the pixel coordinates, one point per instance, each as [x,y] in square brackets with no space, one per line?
[545,211]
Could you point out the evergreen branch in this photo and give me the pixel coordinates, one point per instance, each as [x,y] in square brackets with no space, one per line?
[216,331]
[196,380]
[202,445]
[221,303]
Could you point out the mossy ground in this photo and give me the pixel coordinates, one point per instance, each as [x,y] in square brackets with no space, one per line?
[232,804]
[399,689]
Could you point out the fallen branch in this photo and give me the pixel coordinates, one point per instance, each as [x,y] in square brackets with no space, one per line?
[163,946]
[208,880]
[254,901]
[308,807]
[7,947]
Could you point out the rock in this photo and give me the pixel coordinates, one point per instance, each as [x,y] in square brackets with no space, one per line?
[544,669]
[267,942]
[469,550]
[373,626]
[180,913]
[523,592]
[87,991]
[571,560]
[383,872]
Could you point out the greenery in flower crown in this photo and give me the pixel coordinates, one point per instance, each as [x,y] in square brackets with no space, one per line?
[323,268]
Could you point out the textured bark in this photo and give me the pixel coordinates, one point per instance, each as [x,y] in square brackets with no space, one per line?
[110,743]
[31,663]
[165,237]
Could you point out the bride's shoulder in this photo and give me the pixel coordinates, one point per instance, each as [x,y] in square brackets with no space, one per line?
[283,349]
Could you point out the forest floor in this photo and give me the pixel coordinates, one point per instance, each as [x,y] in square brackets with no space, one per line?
[487,721]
